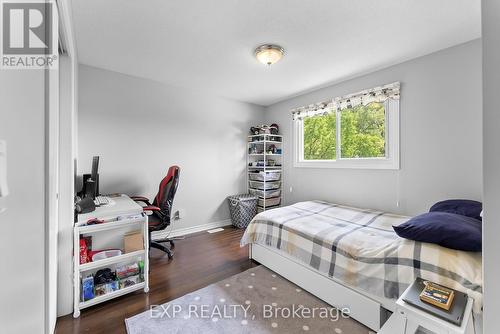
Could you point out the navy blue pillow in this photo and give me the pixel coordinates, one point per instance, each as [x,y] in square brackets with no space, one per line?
[464,207]
[445,229]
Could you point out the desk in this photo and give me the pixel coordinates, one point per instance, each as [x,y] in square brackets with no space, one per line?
[119,205]
[120,216]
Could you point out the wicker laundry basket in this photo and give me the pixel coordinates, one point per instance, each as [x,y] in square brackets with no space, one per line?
[242,208]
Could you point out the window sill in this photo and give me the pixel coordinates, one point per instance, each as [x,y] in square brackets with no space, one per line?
[391,164]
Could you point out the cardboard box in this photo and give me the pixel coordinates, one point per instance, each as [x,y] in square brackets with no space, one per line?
[133,241]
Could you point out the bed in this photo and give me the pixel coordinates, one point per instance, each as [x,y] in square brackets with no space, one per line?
[352,257]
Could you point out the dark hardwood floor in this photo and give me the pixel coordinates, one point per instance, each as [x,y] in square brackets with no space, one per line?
[199,260]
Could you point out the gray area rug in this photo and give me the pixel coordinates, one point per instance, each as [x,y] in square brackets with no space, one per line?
[255,301]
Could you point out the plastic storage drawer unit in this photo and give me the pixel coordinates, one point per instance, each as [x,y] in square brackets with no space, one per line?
[264,186]
[270,202]
[265,193]
[265,176]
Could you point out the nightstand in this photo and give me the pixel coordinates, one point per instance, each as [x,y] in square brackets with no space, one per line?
[408,319]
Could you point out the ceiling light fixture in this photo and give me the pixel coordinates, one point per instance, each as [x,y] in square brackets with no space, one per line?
[269,54]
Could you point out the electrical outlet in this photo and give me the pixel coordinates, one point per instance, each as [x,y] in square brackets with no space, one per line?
[180,214]
[291,189]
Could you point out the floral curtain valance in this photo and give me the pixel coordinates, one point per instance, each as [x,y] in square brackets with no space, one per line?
[365,97]
[321,108]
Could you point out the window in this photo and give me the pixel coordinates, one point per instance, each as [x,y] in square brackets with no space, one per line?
[320,137]
[361,131]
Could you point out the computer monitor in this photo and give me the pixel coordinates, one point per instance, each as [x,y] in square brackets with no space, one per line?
[95,168]
[91,181]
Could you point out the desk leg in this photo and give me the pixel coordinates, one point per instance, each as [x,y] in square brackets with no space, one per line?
[396,324]
[411,327]
[469,329]
[76,273]
[146,255]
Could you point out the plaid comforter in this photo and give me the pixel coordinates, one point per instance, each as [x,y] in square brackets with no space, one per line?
[360,248]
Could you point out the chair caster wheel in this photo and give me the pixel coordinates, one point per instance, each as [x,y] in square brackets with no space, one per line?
[146,290]
[76,314]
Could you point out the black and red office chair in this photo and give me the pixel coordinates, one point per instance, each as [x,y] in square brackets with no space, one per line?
[159,213]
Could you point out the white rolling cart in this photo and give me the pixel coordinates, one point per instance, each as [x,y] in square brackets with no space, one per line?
[265,170]
[120,216]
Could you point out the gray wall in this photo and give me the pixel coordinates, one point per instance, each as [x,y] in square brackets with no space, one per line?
[440,137]
[22,278]
[140,127]
[491,148]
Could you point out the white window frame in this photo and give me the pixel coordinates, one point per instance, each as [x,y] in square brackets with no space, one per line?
[392,150]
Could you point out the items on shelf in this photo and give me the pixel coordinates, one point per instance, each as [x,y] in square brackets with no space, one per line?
[127,270]
[262,163]
[85,248]
[106,280]
[271,149]
[87,288]
[265,129]
[102,289]
[129,281]
[260,138]
[141,269]
[88,255]
[103,254]
[133,241]
[253,150]
[95,221]
[437,295]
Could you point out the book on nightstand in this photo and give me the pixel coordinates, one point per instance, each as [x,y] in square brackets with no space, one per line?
[440,301]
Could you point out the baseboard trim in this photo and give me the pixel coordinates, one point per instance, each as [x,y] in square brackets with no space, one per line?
[190,230]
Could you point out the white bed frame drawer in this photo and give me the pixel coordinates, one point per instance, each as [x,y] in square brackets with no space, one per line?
[363,309]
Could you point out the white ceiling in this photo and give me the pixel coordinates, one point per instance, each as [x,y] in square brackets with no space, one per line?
[208,45]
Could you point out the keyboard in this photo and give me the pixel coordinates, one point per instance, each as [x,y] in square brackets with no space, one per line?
[101,200]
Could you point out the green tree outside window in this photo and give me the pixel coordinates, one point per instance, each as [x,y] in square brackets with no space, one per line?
[320,137]
[362,133]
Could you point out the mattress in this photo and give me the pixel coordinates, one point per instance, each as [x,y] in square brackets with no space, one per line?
[360,248]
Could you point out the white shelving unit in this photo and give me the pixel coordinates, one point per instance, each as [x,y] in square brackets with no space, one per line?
[120,216]
[260,160]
